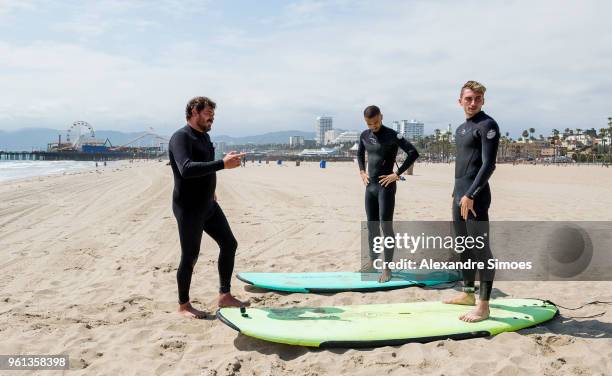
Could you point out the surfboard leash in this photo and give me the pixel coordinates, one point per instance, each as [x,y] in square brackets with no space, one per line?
[594,302]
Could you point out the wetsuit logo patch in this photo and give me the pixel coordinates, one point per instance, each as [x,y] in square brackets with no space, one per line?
[491,134]
[400,136]
[462,132]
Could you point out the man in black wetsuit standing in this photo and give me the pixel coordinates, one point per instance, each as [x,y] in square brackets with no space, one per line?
[381,144]
[194,202]
[477,140]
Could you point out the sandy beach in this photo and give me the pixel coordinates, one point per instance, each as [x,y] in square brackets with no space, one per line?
[89,264]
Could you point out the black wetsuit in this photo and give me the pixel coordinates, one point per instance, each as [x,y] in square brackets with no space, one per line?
[382,148]
[192,159]
[477,140]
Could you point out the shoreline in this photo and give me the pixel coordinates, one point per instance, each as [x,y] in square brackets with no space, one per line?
[71,171]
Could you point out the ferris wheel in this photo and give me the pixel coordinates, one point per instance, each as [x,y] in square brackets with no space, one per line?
[79,130]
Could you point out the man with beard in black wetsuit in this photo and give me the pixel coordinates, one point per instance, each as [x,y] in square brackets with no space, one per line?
[194,202]
[381,144]
[477,140]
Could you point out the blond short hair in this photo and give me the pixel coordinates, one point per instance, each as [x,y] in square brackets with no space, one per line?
[475,86]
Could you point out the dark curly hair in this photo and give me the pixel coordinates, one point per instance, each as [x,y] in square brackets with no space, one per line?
[198,103]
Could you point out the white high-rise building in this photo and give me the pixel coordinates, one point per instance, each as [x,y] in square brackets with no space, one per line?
[295,141]
[396,126]
[449,132]
[323,124]
[411,130]
[415,130]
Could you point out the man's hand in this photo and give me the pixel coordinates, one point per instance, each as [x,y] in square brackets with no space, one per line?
[232,159]
[385,180]
[467,206]
[364,177]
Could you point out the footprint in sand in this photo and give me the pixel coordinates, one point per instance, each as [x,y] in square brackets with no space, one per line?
[173,346]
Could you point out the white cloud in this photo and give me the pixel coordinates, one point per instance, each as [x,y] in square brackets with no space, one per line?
[546,64]
[8,6]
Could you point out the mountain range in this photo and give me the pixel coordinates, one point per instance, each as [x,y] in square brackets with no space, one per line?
[28,139]
[281,137]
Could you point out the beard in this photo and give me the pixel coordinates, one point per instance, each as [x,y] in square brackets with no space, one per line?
[205,125]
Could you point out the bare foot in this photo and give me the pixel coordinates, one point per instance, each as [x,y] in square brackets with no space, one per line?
[187,310]
[385,276]
[463,299]
[480,313]
[227,300]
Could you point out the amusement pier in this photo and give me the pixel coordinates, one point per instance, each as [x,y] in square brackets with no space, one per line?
[80,144]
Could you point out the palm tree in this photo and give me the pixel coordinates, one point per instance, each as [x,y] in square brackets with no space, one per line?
[525,134]
[531,132]
[444,148]
[422,142]
[555,135]
[437,142]
[505,141]
[555,139]
[425,143]
[609,134]
[603,132]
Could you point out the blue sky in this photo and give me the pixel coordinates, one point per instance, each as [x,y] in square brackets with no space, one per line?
[276,65]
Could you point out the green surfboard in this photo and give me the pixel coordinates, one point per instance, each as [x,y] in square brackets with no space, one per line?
[383,324]
[343,281]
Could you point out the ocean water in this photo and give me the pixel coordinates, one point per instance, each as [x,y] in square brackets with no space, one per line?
[11,170]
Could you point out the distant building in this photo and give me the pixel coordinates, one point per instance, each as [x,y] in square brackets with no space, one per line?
[221,147]
[582,139]
[296,141]
[346,137]
[547,152]
[323,124]
[396,126]
[411,130]
[603,140]
[330,136]
[91,145]
[531,148]
[449,132]
[310,143]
